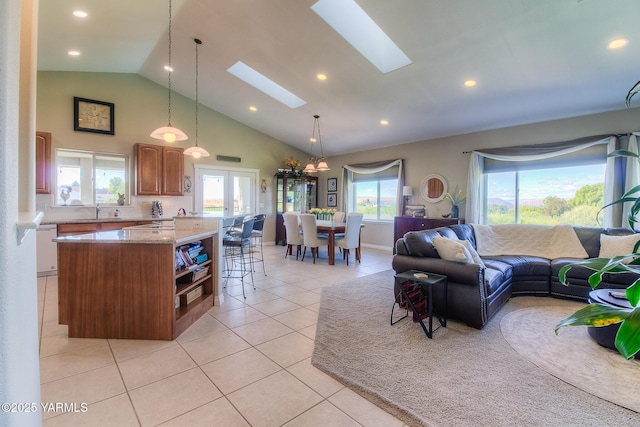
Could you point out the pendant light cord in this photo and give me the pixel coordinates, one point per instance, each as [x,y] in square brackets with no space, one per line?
[198,42]
[170,69]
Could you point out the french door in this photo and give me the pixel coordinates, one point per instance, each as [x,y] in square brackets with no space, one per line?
[225,192]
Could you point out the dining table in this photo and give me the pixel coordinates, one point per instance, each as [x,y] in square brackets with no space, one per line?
[332,228]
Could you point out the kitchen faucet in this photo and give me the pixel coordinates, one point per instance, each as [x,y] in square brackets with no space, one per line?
[97,210]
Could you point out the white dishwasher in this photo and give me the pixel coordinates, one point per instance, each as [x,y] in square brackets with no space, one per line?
[47,250]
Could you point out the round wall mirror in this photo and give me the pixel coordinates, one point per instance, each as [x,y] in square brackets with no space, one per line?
[433,188]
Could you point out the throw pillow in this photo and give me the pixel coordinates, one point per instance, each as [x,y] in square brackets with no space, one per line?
[472,251]
[451,250]
[611,246]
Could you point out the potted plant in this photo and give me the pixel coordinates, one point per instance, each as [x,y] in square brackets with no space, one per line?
[455,197]
[627,339]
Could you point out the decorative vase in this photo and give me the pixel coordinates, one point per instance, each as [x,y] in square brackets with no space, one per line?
[454,211]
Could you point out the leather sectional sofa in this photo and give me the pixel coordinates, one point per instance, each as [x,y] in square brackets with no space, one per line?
[477,292]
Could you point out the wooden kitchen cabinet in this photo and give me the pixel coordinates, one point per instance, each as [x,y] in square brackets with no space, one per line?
[159,170]
[43,163]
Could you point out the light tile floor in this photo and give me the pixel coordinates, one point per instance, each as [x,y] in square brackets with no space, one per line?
[244,363]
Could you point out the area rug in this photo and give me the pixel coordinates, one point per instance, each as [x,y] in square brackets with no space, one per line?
[461,377]
[592,368]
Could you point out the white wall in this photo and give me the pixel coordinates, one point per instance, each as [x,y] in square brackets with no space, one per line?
[19,358]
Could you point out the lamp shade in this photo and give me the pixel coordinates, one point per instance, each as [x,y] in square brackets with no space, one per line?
[407,190]
[196,152]
[169,134]
[322,165]
[310,168]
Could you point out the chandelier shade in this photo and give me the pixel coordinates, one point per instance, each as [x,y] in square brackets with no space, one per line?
[196,152]
[322,163]
[169,133]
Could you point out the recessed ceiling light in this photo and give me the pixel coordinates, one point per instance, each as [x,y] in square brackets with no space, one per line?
[470,83]
[252,108]
[80,14]
[260,82]
[355,26]
[384,122]
[169,69]
[618,43]
[73,53]
[322,77]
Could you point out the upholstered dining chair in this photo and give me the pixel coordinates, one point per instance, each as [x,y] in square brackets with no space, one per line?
[310,236]
[292,231]
[351,239]
[338,217]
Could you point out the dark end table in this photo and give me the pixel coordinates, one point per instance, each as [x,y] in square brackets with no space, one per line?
[413,291]
[606,335]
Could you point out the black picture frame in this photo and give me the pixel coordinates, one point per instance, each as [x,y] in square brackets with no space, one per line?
[93,116]
[332,200]
[332,184]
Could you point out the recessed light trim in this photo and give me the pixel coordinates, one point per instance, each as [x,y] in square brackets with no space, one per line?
[168,68]
[322,77]
[384,122]
[80,14]
[618,43]
[470,83]
[264,84]
[355,26]
[253,108]
[73,53]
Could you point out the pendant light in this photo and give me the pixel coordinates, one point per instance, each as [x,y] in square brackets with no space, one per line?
[169,133]
[322,164]
[310,168]
[196,151]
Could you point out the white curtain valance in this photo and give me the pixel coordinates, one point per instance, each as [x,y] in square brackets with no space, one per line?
[368,169]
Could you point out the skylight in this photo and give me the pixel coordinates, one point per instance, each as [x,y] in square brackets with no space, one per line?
[271,88]
[356,27]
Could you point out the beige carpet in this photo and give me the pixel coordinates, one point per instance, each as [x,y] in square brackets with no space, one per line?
[463,377]
[594,369]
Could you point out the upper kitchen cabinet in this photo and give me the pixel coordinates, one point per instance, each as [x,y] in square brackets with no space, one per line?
[159,170]
[43,163]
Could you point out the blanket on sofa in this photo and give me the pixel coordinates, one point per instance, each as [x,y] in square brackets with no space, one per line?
[559,241]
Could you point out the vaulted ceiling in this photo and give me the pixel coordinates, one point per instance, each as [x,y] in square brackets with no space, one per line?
[533,60]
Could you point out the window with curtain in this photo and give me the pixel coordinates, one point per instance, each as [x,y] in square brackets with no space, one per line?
[558,183]
[374,189]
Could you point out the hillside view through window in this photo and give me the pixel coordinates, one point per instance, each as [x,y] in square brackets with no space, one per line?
[568,195]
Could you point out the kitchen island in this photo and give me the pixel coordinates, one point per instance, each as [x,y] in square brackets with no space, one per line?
[127,283]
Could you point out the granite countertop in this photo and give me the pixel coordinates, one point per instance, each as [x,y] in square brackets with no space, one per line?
[139,234]
[92,220]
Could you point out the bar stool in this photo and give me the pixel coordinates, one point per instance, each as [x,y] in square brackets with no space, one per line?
[256,237]
[239,255]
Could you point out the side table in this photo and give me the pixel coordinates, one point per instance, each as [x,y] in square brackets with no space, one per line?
[414,290]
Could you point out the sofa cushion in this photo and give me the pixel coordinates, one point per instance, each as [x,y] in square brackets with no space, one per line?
[612,246]
[525,267]
[419,243]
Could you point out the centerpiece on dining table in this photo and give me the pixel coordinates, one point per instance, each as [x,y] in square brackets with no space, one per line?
[323,213]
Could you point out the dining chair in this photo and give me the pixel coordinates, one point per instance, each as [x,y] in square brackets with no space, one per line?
[351,239]
[338,217]
[292,231]
[310,236]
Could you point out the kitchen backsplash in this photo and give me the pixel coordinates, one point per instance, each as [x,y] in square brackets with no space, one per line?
[140,207]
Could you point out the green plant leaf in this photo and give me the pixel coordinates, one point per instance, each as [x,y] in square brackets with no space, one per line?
[623,153]
[635,89]
[596,315]
[633,293]
[628,336]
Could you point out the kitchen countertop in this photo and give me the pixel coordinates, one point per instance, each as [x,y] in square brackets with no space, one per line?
[139,234]
[91,220]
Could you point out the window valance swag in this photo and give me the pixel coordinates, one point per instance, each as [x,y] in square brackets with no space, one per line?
[370,169]
[476,200]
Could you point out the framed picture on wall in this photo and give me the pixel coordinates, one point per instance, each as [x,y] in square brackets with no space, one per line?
[332,184]
[93,116]
[332,200]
